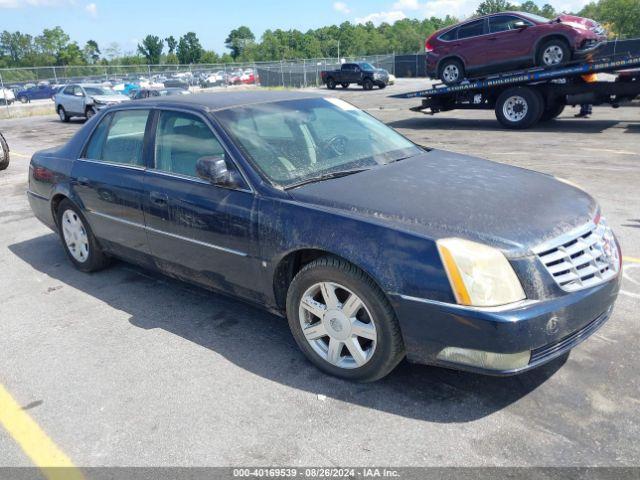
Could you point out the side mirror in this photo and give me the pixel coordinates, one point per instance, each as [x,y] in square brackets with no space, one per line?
[214,170]
[79,94]
[520,25]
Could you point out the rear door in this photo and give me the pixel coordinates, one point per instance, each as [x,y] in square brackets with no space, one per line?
[198,230]
[508,44]
[471,44]
[108,179]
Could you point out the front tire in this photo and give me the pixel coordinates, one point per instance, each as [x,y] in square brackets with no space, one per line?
[23,100]
[4,153]
[78,240]
[89,113]
[343,322]
[367,84]
[519,107]
[64,116]
[553,53]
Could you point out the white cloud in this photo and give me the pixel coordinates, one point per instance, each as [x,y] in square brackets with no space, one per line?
[341,7]
[406,5]
[92,10]
[382,17]
[33,3]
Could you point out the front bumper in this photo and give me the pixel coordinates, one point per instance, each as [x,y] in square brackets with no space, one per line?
[545,328]
[589,48]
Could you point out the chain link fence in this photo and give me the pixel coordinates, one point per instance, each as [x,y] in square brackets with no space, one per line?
[286,73]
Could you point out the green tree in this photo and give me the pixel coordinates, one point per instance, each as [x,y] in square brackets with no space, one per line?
[238,40]
[71,54]
[92,51]
[494,6]
[16,46]
[52,41]
[172,43]
[151,49]
[622,17]
[189,49]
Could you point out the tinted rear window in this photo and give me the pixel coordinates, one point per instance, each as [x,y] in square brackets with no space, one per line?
[450,35]
[472,29]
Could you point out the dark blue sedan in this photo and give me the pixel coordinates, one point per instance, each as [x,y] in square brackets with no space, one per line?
[373,248]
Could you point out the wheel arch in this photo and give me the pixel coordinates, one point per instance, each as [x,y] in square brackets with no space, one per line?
[450,57]
[542,40]
[292,262]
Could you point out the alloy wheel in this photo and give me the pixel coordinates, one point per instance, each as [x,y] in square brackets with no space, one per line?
[337,325]
[451,73]
[75,236]
[552,55]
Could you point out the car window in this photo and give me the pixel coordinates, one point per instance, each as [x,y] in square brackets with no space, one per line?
[472,29]
[119,138]
[503,23]
[450,35]
[182,139]
[69,90]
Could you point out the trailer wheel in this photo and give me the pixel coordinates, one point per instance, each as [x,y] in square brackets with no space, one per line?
[519,107]
[552,112]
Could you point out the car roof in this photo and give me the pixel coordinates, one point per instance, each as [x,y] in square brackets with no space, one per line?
[224,100]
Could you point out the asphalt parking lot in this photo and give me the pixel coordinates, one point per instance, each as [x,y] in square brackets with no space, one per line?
[129,368]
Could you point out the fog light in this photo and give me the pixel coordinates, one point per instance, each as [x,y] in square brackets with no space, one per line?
[489,360]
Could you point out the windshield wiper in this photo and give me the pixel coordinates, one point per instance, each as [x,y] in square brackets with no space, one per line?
[326,176]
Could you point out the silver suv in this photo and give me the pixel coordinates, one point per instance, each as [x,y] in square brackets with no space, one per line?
[85,100]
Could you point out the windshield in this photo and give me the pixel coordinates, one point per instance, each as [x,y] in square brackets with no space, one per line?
[294,141]
[99,91]
[367,67]
[534,17]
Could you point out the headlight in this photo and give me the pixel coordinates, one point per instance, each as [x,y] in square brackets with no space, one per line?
[479,275]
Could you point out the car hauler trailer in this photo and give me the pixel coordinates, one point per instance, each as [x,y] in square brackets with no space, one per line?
[525,97]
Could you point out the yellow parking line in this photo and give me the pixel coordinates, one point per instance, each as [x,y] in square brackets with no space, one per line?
[35,443]
[631,259]
[18,154]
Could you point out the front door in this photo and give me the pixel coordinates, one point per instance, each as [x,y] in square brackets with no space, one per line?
[508,44]
[108,180]
[197,230]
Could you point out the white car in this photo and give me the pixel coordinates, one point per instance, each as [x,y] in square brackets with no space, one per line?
[85,100]
[7,97]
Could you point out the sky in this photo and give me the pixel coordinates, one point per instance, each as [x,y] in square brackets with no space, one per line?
[127,22]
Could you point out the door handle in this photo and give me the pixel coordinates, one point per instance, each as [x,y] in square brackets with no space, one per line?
[159,199]
[84,181]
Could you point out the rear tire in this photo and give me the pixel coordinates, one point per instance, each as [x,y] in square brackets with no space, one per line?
[451,71]
[367,84]
[553,52]
[78,240]
[331,83]
[357,336]
[64,116]
[519,107]
[552,112]
[4,153]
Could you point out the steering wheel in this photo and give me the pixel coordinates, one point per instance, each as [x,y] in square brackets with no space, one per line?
[337,144]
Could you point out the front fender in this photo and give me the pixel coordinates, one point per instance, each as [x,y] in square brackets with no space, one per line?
[398,261]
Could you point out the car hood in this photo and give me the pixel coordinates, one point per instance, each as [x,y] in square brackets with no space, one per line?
[110,98]
[580,22]
[443,194]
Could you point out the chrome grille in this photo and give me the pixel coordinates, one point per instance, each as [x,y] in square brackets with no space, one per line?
[582,258]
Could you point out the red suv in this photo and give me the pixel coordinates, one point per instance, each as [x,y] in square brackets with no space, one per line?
[508,40]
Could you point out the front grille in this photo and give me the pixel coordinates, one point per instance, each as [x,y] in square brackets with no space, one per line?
[583,258]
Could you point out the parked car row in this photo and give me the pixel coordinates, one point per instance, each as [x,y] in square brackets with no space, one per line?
[509,40]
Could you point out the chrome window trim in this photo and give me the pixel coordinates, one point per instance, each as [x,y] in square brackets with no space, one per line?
[169,234]
[113,164]
[193,179]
